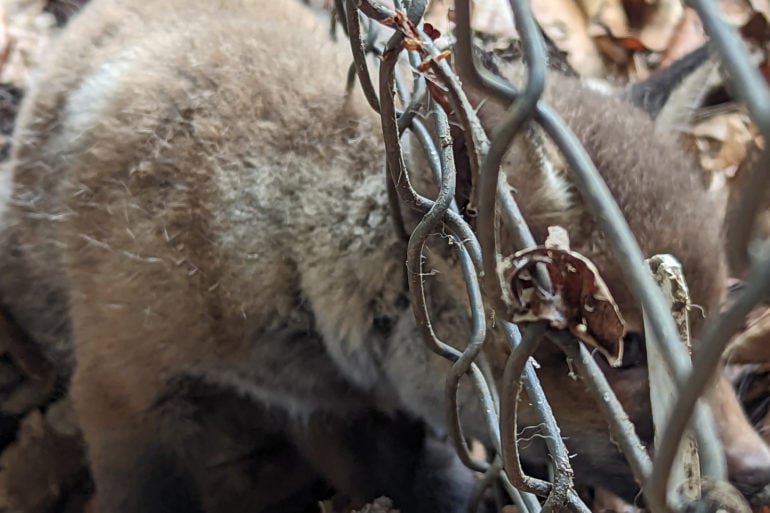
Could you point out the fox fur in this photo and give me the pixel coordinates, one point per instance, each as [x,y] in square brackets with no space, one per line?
[197,202]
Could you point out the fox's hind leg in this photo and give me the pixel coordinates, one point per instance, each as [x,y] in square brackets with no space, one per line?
[138,325]
[141,445]
[139,457]
[161,442]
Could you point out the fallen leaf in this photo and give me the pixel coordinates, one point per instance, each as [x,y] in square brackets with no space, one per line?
[723,142]
[736,12]
[431,31]
[633,43]
[580,300]
[752,345]
[5,38]
[761,6]
[764,68]
[27,32]
[662,24]
[438,93]
[612,49]
[607,13]
[734,150]
[716,127]
[494,18]
[425,65]
[756,29]
[566,27]
[688,36]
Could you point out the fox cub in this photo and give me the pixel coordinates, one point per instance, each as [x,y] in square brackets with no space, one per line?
[196,202]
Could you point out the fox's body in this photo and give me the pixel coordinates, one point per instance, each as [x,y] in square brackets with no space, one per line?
[196,201]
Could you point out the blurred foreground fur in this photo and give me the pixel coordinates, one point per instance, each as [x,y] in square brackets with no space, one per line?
[199,232]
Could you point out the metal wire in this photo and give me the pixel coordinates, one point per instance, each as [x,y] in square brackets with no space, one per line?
[479,257]
[707,358]
[621,428]
[749,86]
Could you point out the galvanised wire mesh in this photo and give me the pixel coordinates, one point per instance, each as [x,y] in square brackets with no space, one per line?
[477,252]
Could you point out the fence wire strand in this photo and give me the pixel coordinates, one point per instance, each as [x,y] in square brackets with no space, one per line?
[749,87]
[479,257]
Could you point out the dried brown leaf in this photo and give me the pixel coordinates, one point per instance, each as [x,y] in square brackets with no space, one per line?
[756,28]
[567,28]
[425,65]
[734,150]
[431,31]
[764,68]
[607,13]
[737,12]
[438,93]
[716,128]
[580,303]
[687,36]
[752,345]
[412,44]
[632,43]
[662,24]
[723,141]
[27,32]
[761,6]
[5,38]
[612,49]
[493,17]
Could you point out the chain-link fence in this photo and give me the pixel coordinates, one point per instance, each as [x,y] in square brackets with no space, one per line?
[478,255]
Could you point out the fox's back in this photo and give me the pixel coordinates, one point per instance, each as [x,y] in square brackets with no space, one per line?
[212,124]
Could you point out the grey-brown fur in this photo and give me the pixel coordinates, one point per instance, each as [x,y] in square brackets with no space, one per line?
[195,199]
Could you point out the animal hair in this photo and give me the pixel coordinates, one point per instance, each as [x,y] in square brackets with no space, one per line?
[197,200]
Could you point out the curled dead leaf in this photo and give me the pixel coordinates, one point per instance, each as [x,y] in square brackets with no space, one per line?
[431,31]
[688,36]
[631,43]
[757,29]
[438,93]
[662,22]
[752,345]
[425,65]
[612,49]
[580,300]
[412,44]
[608,13]
[764,68]
[5,38]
